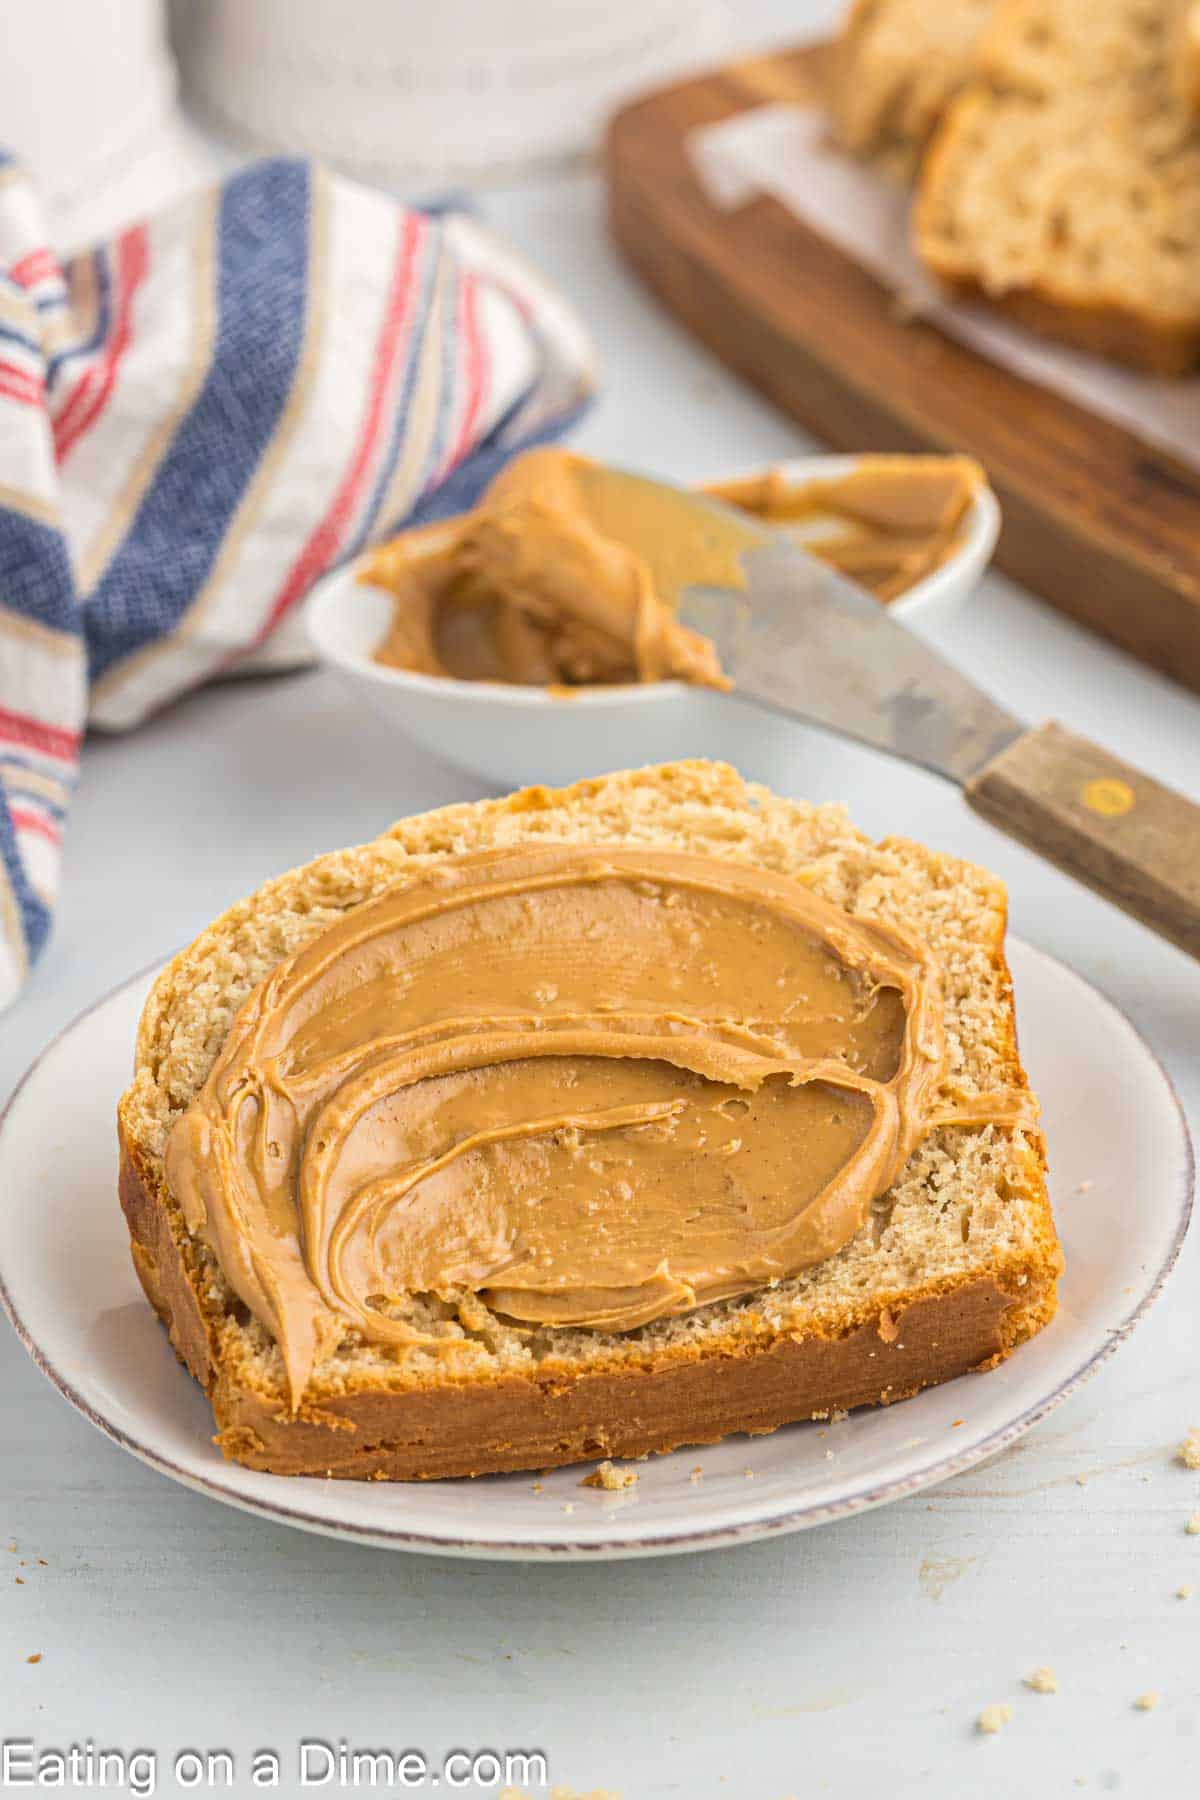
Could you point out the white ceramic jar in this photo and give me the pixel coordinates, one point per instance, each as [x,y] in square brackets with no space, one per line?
[403,89]
[87,103]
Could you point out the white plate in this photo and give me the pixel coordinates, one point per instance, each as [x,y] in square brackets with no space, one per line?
[1121,1169]
[511,736]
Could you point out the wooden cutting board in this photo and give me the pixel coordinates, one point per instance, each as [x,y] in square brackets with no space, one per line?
[1106,527]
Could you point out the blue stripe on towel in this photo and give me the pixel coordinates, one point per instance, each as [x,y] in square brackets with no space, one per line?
[464,487]
[10,335]
[14,771]
[34,913]
[173,543]
[36,578]
[450,371]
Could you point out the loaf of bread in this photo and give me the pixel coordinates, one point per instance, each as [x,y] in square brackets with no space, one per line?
[956,1265]
[1063,184]
[893,69]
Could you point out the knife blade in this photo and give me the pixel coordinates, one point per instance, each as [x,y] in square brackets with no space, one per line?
[804,640]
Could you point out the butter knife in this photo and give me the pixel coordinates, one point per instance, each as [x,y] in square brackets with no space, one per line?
[803,640]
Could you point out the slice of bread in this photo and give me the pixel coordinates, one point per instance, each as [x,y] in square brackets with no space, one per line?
[957,1264]
[894,67]
[1063,184]
[1186,61]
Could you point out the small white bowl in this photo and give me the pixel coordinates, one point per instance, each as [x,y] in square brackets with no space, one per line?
[516,736]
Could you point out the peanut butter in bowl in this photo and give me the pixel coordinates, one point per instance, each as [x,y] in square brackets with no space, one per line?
[537,637]
[888,522]
[567,575]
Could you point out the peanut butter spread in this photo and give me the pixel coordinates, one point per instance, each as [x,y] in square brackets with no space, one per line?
[888,523]
[569,573]
[566,574]
[587,1088]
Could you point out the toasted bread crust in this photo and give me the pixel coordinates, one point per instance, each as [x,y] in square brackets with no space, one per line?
[513,1422]
[1156,346]
[156,1245]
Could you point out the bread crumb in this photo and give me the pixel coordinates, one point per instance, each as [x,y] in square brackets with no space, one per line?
[561,1793]
[569,1506]
[20,1580]
[35,1658]
[1042,1681]
[609,1477]
[749,1474]
[1185,1592]
[696,1473]
[994,1718]
[1148,1701]
[838,1414]
[1081,1481]
[1189,1451]
[1193,1525]
[1085,1187]
[537,1487]
[955,1423]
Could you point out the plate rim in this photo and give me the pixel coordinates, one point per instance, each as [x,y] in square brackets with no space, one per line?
[795,1518]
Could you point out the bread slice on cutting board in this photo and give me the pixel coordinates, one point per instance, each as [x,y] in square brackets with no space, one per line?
[1063,184]
[894,67]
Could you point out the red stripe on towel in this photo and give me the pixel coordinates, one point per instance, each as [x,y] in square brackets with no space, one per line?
[34,821]
[95,388]
[51,740]
[321,549]
[37,265]
[19,384]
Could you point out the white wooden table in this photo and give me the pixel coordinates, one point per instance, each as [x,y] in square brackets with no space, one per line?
[850,1660]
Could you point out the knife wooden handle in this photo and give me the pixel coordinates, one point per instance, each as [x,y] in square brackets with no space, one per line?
[1124,834]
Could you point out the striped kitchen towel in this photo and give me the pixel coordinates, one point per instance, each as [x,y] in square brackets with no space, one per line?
[198,419]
